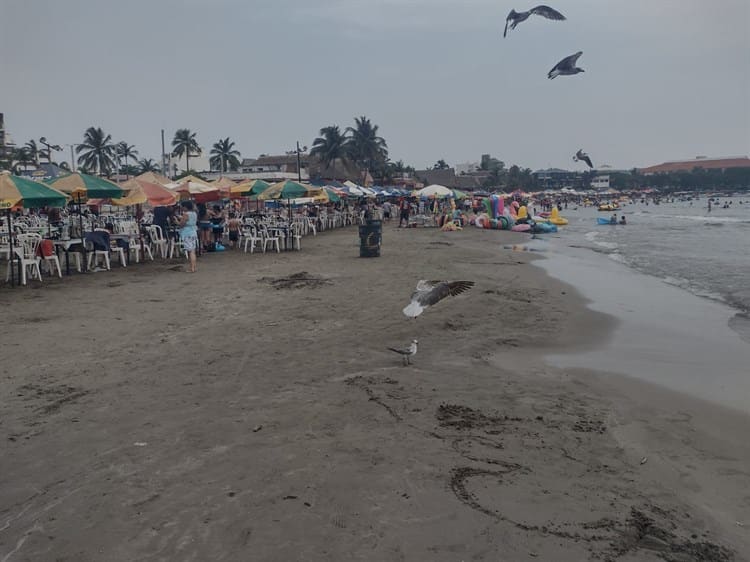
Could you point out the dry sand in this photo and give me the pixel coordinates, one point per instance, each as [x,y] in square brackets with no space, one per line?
[252,412]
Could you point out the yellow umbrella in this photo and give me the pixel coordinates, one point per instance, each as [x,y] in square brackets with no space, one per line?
[223,184]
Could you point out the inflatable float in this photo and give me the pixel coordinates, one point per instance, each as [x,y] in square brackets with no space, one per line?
[609,207]
[555,218]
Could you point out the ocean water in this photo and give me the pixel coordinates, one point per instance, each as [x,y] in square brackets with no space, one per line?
[707,254]
[677,279]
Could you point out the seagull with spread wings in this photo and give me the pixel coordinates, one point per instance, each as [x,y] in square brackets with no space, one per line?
[514,18]
[566,67]
[432,292]
[406,352]
[581,155]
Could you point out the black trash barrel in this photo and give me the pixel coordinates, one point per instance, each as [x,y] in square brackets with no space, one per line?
[370,236]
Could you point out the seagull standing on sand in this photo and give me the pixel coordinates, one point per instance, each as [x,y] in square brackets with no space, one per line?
[432,292]
[406,352]
[581,155]
[566,67]
[514,18]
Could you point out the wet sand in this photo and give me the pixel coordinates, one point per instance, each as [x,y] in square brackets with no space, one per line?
[252,412]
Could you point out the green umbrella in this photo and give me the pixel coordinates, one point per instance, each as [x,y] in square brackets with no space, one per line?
[83,185]
[286,190]
[458,194]
[16,191]
[333,197]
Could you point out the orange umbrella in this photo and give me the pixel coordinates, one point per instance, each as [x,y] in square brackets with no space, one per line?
[141,191]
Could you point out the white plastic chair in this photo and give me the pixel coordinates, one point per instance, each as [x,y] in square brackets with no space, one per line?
[158,240]
[250,237]
[269,237]
[28,244]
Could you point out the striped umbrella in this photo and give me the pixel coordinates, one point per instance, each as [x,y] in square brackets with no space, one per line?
[16,191]
[81,186]
[248,188]
[287,190]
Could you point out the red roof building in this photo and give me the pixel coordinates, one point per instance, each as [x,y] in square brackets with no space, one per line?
[699,162]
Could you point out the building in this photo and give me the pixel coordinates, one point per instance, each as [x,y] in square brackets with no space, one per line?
[698,162]
[600,182]
[467,168]
[557,178]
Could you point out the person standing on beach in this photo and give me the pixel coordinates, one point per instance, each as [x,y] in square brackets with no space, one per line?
[189,232]
[404,216]
[387,211]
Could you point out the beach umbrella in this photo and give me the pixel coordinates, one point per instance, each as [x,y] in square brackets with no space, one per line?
[141,191]
[153,177]
[333,196]
[198,190]
[286,190]
[248,188]
[224,185]
[434,190]
[16,191]
[458,194]
[79,186]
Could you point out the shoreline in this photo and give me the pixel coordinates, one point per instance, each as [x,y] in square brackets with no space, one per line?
[269,420]
[663,334]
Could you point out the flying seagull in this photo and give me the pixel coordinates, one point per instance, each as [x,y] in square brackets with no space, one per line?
[432,292]
[566,66]
[581,155]
[406,352]
[514,18]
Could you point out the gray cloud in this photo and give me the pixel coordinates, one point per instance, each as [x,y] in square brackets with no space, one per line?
[664,78]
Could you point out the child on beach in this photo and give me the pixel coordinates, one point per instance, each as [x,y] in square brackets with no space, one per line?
[234,230]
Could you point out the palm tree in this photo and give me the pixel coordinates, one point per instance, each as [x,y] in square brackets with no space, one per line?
[33,151]
[364,145]
[184,143]
[22,157]
[147,165]
[96,151]
[224,155]
[441,165]
[126,151]
[329,147]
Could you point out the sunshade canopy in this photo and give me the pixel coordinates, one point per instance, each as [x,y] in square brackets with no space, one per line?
[16,191]
[141,192]
[288,190]
[84,185]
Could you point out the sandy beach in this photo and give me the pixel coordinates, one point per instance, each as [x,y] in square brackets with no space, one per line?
[252,411]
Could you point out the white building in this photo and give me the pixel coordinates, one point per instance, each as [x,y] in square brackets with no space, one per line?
[467,168]
[600,182]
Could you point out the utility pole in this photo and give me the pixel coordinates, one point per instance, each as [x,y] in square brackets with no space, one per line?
[163,155]
[299,167]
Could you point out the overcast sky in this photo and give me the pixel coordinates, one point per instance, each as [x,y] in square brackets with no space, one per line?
[665,79]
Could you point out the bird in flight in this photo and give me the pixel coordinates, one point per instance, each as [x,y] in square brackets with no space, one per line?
[566,67]
[514,18]
[406,352]
[581,155]
[432,292]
